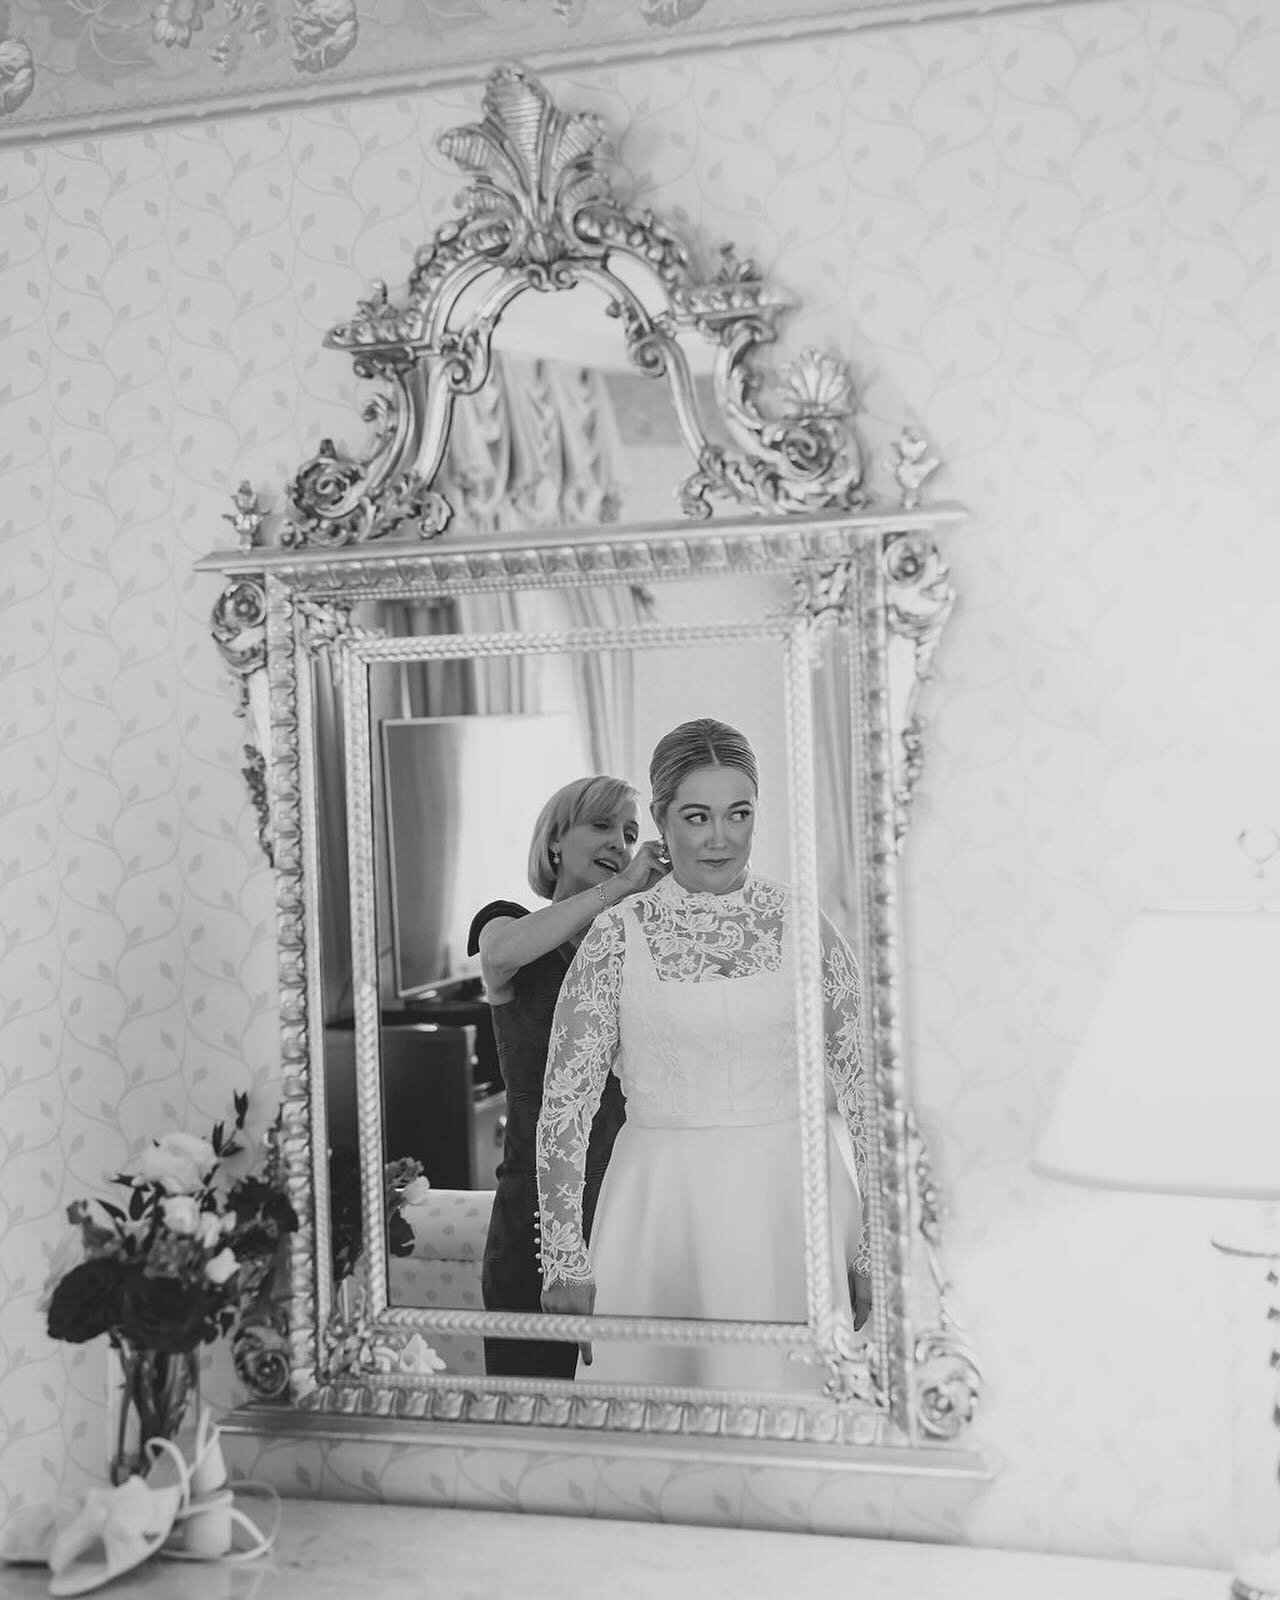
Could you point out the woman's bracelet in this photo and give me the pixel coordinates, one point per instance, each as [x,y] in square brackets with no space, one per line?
[603,899]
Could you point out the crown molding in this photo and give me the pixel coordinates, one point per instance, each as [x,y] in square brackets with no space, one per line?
[192,60]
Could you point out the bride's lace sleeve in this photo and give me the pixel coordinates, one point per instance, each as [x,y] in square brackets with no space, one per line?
[842,1007]
[584,1042]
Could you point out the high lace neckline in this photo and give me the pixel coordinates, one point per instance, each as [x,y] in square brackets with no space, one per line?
[705,899]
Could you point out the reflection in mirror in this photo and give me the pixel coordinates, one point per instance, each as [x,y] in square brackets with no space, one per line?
[469,750]
[459,797]
[566,429]
[687,992]
[449,518]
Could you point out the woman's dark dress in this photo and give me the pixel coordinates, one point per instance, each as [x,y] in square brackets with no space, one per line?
[511,1279]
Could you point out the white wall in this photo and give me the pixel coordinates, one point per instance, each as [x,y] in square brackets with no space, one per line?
[1047,239]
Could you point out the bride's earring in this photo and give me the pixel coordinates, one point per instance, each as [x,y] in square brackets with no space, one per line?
[664,855]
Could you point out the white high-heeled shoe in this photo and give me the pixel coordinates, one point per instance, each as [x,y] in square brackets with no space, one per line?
[116,1530]
[205,1473]
[208,1520]
[182,1509]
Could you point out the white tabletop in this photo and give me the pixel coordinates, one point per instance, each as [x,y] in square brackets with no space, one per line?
[327,1550]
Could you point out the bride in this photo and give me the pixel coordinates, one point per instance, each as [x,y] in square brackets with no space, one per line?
[686,992]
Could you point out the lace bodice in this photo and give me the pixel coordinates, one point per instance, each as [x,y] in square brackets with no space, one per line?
[715,1050]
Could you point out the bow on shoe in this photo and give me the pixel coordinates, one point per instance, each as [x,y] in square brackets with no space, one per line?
[116,1530]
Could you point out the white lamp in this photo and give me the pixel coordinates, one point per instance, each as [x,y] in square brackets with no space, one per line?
[1176,1090]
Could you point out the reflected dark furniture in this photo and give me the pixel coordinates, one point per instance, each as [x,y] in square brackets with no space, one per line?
[434,1107]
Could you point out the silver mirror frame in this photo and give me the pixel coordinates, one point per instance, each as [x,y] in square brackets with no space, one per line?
[541,216]
[877,576]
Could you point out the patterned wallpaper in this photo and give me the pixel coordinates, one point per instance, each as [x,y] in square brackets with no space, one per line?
[1047,238]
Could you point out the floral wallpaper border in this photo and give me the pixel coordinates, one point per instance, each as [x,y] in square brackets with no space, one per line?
[71,68]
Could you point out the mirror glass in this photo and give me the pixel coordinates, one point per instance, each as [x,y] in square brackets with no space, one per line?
[465,752]
[566,429]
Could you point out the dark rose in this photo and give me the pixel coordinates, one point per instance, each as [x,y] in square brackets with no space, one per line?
[252,1198]
[87,1301]
[163,1313]
[399,1235]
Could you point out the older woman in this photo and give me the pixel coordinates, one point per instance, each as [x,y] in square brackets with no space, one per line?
[686,992]
[582,859]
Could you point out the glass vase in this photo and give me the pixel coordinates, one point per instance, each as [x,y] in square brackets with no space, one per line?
[155,1392]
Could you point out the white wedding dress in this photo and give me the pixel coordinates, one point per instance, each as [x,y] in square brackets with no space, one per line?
[690,999]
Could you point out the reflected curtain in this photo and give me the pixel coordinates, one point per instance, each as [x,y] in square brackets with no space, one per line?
[538,447]
[333,888]
[834,803]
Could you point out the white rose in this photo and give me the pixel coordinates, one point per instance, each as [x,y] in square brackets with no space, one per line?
[178,1162]
[228,1222]
[416,1192]
[199,1152]
[223,1266]
[181,1214]
[209,1229]
[70,1253]
[173,1172]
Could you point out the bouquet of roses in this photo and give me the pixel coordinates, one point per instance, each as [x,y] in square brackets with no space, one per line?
[168,1268]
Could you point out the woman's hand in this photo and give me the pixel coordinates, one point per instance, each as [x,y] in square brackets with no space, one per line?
[860,1295]
[643,870]
[572,1300]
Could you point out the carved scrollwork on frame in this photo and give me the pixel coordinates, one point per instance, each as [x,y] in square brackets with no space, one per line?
[239,628]
[339,500]
[948,1385]
[260,1343]
[354,1345]
[327,627]
[851,1369]
[325,623]
[541,214]
[825,592]
[947,1379]
[810,458]
[260,1353]
[254,773]
[919,599]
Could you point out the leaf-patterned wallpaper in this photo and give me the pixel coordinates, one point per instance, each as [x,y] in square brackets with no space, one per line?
[1049,239]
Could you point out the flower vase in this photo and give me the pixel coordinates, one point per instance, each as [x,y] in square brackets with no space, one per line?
[156,1388]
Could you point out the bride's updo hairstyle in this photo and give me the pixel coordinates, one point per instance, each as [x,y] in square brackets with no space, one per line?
[701,743]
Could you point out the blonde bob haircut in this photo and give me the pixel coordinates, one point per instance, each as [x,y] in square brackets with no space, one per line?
[583,800]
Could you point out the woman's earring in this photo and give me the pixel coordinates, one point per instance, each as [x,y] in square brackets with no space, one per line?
[555,857]
[663,854]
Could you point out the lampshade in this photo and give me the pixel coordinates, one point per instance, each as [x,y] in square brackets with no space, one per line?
[1176,1086]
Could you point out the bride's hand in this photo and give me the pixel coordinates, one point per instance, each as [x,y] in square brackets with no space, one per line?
[572,1300]
[644,869]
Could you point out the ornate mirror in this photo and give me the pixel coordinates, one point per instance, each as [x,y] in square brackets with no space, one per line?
[588,510]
